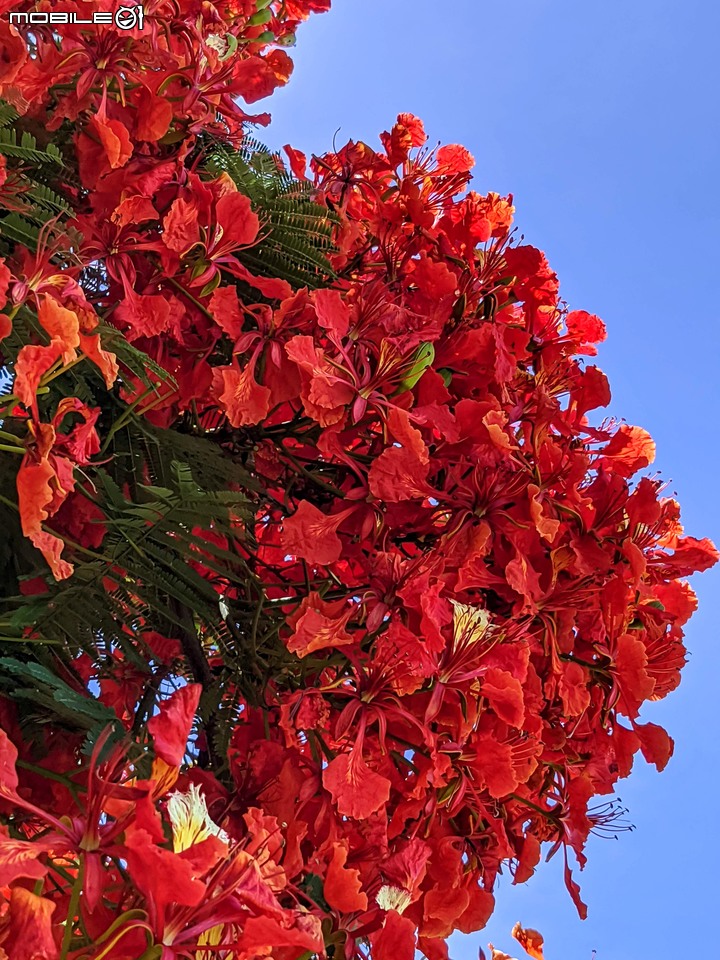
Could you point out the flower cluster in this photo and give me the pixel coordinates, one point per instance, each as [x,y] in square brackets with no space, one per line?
[456,596]
[141,840]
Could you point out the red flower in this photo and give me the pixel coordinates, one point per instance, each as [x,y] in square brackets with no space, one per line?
[42,485]
[357,790]
[629,450]
[401,470]
[170,727]
[26,932]
[318,624]
[530,940]
[115,140]
[212,222]
[342,886]
[312,535]
[396,939]
[244,400]
[255,78]
[162,876]
[13,53]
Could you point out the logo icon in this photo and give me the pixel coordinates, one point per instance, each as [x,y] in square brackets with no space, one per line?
[129,18]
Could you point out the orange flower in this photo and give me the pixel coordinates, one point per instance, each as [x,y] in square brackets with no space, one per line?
[530,940]
[46,476]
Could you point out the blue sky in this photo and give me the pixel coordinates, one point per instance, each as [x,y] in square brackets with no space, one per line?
[601,118]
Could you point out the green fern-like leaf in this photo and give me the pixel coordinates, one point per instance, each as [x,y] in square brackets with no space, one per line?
[297,233]
[8,114]
[19,229]
[147,370]
[27,149]
[149,542]
[257,171]
[45,199]
[47,697]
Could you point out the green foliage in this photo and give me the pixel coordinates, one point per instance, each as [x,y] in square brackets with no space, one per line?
[296,230]
[26,148]
[151,537]
[8,114]
[44,698]
[30,197]
[138,363]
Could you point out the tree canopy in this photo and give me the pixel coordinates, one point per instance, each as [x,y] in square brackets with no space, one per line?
[326,594]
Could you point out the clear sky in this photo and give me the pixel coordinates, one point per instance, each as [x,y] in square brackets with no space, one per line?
[601,117]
